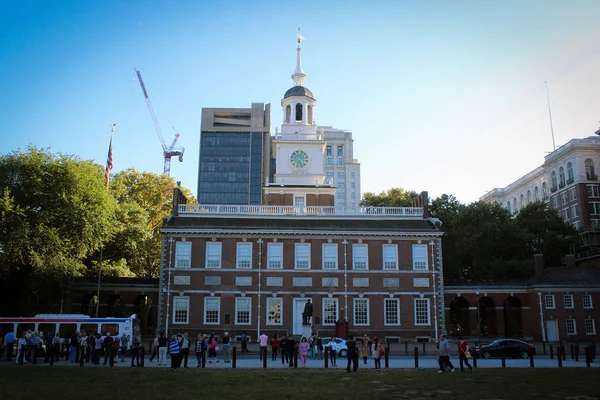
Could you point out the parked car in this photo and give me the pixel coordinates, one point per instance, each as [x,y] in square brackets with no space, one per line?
[341,348]
[510,348]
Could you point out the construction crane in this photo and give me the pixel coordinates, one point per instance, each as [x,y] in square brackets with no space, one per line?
[170,151]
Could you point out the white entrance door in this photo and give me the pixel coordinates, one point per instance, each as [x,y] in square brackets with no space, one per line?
[552,330]
[298,310]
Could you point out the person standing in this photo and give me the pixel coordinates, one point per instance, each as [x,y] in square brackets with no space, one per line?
[73,344]
[109,350]
[283,349]
[199,348]
[290,345]
[263,340]
[463,347]
[352,350]
[162,349]
[9,339]
[154,348]
[274,347]
[376,352]
[21,349]
[332,351]
[444,354]
[174,350]
[319,348]
[303,351]
[244,342]
[226,347]
[136,341]
[98,345]
[186,343]
[212,348]
[365,348]
[124,346]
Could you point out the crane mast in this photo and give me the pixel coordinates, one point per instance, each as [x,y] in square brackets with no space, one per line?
[170,151]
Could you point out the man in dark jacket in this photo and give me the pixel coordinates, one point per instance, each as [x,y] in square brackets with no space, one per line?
[352,354]
[290,345]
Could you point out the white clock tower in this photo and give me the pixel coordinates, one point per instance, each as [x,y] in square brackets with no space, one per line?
[299,149]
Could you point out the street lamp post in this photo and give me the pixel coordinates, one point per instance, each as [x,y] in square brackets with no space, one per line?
[259,242]
[478,316]
[542,318]
[433,277]
[345,243]
[171,241]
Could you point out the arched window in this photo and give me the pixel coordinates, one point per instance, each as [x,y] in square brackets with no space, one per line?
[509,207]
[536,193]
[529,197]
[298,112]
[309,114]
[521,201]
[554,182]
[561,177]
[590,172]
[570,176]
[516,210]
[544,190]
[288,114]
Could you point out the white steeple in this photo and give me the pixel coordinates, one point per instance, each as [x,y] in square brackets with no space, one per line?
[298,75]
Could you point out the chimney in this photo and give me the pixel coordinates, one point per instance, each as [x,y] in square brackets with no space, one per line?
[539,264]
[570,259]
[422,200]
[178,198]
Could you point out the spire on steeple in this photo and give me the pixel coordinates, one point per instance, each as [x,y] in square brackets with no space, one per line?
[298,75]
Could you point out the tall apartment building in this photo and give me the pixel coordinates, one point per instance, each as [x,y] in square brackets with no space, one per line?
[234,154]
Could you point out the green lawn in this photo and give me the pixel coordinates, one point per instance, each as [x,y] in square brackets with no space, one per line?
[151,383]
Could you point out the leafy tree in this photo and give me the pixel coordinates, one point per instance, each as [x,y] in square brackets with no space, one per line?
[395,197]
[445,208]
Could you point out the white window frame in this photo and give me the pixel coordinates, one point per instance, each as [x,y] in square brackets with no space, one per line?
[587,298]
[271,301]
[389,260]
[300,200]
[243,255]
[387,312]
[568,301]
[419,262]
[181,304]
[428,303]
[574,213]
[589,323]
[327,301]
[216,300]
[302,255]
[573,194]
[367,317]
[274,254]
[567,323]
[183,254]
[329,256]
[211,255]
[360,258]
[593,191]
[240,308]
[549,302]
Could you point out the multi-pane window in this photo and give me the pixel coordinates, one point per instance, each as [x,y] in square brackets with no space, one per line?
[391,311]
[360,256]
[536,193]
[244,255]
[594,208]
[571,327]
[595,223]
[213,254]
[361,311]
[568,300]
[329,151]
[593,191]
[565,213]
[340,151]
[183,254]
[329,160]
[274,311]
[419,256]
[328,176]
[181,309]
[422,312]
[341,196]
[353,185]
[212,309]
[576,224]
[549,301]
[352,175]
[590,327]
[330,256]
[590,172]
[243,307]
[341,185]
[340,161]
[302,256]
[341,176]
[330,311]
[574,211]
[275,255]
[390,256]
[299,201]
[555,201]
[586,299]
[573,194]
[564,198]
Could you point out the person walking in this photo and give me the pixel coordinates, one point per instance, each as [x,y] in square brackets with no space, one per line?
[319,348]
[274,347]
[212,348]
[332,351]
[226,347]
[290,345]
[365,348]
[136,341]
[244,342]
[303,351]
[109,350]
[174,350]
[444,354]
[162,349]
[263,341]
[154,348]
[463,348]
[352,353]
[376,352]
[283,349]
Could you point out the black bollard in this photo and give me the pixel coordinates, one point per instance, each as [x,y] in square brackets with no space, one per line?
[283,353]
[406,347]
[81,358]
[588,356]
[559,350]
[142,355]
[264,356]
[423,348]
[572,352]
[203,358]
[387,357]
[474,356]
[326,352]
[551,352]
[503,359]
[531,352]
[416,357]
[295,356]
[233,357]
[563,352]
[577,352]
[544,346]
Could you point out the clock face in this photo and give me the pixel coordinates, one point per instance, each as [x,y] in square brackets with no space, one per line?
[299,159]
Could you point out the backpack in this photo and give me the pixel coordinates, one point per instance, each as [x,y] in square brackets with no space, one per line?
[381,351]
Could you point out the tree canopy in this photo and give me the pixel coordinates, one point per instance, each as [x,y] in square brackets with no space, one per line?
[395,197]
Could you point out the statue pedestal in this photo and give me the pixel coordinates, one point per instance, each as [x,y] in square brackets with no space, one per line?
[306,331]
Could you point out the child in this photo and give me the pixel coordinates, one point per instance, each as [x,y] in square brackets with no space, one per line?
[303,351]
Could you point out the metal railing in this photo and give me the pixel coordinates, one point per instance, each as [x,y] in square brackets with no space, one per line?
[299,211]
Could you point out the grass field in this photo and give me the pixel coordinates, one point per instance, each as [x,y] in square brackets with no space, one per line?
[135,383]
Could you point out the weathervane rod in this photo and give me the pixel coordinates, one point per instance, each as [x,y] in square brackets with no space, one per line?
[550,115]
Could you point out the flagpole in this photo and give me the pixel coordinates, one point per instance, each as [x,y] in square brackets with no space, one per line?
[109,166]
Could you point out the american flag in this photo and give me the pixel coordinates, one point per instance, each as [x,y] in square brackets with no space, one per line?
[109,164]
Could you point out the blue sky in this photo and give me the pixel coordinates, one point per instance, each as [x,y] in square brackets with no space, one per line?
[444,96]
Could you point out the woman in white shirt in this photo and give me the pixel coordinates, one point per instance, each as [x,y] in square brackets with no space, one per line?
[332,351]
[21,345]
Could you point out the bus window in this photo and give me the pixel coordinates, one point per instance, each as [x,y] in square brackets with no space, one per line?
[46,328]
[89,328]
[67,330]
[21,328]
[112,328]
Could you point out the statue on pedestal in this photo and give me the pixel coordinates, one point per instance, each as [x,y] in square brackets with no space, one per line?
[307,313]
